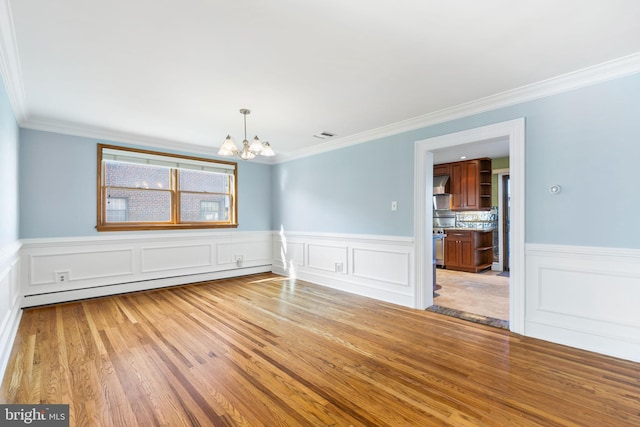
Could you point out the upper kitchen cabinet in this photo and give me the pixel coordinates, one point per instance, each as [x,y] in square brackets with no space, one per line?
[470,185]
[441,170]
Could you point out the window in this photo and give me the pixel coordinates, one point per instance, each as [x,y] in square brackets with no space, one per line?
[145,190]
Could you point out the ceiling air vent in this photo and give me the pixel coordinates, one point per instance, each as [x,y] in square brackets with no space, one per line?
[324,135]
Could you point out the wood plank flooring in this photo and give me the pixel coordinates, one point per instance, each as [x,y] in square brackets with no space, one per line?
[265,351]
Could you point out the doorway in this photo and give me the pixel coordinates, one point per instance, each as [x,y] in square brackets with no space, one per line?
[423,215]
[480,295]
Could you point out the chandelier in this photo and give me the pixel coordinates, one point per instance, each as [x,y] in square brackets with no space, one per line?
[249,151]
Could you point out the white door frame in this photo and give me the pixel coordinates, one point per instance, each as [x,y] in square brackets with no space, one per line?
[514,130]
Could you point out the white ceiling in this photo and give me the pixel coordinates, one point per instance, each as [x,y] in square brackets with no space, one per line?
[180,70]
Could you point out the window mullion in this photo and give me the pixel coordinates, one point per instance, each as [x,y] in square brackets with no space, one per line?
[175,197]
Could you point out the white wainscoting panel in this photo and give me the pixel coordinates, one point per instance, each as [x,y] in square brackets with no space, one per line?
[10,311]
[585,297]
[379,267]
[176,257]
[92,263]
[324,257]
[382,266]
[251,251]
[109,264]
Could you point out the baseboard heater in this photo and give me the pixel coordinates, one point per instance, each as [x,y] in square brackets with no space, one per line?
[47,298]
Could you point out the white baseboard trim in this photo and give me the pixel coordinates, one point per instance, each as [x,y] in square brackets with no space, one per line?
[122,288]
[584,297]
[351,287]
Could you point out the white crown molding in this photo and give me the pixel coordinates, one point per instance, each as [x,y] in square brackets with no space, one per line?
[81,130]
[10,63]
[599,73]
[87,131]
[588,76]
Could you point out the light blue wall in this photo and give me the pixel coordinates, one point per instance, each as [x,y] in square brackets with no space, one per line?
[586,140]
[8,171]
[347,191]
[58,187]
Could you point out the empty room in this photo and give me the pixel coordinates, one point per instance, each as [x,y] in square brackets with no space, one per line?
[339,213]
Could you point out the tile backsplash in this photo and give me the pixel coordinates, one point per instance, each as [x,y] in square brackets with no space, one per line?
[478,220]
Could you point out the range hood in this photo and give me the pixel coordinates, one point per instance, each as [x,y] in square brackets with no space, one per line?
[439,183]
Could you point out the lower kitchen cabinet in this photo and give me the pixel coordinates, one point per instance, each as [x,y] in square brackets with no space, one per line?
[468,250]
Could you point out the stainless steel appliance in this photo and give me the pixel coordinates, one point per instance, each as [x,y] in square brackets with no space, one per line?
[441,202]
[440,184]
[438,241]
[442,218]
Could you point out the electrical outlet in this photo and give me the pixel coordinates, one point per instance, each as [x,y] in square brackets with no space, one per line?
[62,276]
[394,206]
[338,267]
[239,260]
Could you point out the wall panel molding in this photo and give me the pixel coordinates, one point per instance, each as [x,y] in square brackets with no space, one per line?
[85,265]
[392,267]
[380,267]
[106,265]
[584,297]
[173,257]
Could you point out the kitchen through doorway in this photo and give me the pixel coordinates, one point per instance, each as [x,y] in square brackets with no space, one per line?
[481,293]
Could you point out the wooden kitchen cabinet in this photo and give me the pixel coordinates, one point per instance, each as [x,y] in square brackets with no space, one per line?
[440,170]
[468,250]
[470,185]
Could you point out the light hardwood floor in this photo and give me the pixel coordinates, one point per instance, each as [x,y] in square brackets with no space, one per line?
[264,351]
[483,293]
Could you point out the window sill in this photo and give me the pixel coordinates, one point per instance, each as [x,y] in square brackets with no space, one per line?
[147,227]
